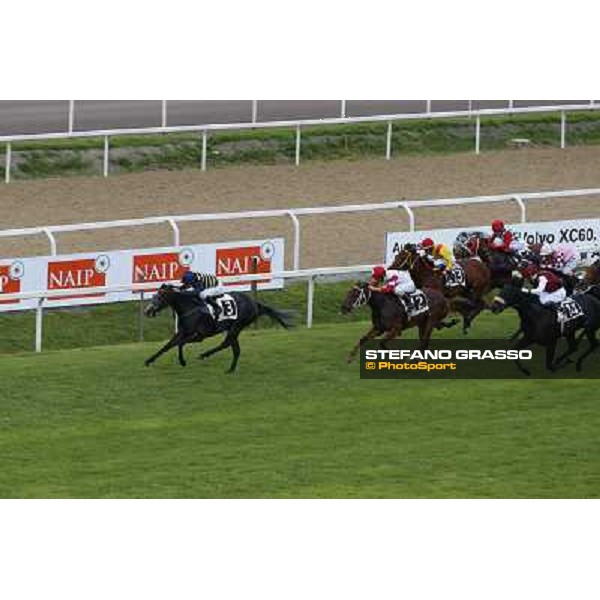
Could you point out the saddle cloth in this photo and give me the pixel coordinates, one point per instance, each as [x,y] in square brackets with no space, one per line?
[228,306]
[417,304]
[455,276]
[568,310]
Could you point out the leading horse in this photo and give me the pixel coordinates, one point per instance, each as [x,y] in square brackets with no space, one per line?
[194,324]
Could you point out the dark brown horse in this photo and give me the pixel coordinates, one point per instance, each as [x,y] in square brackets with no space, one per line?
[468,300]
[389,317]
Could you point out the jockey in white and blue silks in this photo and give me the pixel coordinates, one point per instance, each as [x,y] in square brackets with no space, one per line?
[205,286]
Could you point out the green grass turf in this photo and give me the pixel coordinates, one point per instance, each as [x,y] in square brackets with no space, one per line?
[296,421]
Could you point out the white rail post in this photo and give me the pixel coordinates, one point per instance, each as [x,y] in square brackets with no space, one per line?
[477,134]
[388,144]
[203,160]
[71,115]
[297,145]
[470,107]
[52,240]
[343,109]
[163,120]
[39,322]
[511,104]
[411,215]
[296,223]
[428,106]
[105,162]
[176,233]
[310,301]
[7,164]
[523,208]
[254,111]
[563,128]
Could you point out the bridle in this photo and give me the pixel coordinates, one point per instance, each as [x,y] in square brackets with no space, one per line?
[407,261]
[362,297]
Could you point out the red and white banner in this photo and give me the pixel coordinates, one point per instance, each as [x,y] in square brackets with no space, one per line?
[125,267]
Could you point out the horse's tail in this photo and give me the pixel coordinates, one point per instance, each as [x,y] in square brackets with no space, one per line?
[284,317]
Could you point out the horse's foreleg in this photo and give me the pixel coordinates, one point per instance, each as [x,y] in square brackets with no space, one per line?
[174,341]
[373,332]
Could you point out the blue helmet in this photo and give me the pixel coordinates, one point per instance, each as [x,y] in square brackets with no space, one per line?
[188,278]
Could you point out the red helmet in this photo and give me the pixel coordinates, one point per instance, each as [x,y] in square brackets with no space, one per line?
[378,272]
[427,243]
[497,225]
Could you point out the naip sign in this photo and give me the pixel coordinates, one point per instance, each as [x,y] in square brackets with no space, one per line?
[77,274]
[82,272]
[248,260]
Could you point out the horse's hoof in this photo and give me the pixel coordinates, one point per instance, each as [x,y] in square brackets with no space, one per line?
[147,363]
[202,357]
[183,364]
[349,360]
[230,372]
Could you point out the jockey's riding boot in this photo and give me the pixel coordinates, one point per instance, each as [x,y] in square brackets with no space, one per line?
[215,306]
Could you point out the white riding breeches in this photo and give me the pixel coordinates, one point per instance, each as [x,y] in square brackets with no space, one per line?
[405,287]
[211,292]
[553,297]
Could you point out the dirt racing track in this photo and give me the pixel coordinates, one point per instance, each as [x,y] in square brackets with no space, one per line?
[326,240]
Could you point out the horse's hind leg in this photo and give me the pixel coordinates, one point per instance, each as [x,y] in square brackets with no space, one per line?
[591,336]
[572,347]
[235,348]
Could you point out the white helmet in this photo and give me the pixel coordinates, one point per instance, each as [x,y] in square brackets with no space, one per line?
[545,250]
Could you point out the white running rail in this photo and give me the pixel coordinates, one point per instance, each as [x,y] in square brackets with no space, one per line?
[408,207]
[298,125]
[310,275]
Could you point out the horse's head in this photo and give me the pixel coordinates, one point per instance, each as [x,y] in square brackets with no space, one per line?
[404,260]
[357,296]
[161,299]
[510,295]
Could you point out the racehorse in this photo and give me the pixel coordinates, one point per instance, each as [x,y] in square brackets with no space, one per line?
[477,281]
[194,324]
[539,324]
[501,265]
[389,316]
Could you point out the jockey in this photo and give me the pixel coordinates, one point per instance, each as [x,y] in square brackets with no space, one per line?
[549,288]
[204,286]
[501,238]
[391,281]
[439,255]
